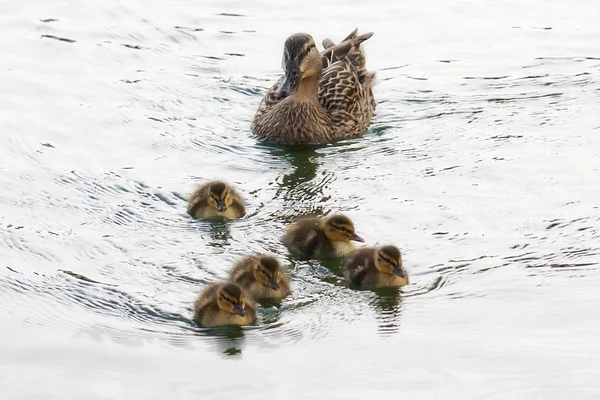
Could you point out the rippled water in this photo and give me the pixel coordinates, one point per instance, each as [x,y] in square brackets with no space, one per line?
[482,164]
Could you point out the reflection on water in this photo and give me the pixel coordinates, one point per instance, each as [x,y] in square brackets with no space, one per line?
[226,341]
[387,305]
[302,189]
[220,232]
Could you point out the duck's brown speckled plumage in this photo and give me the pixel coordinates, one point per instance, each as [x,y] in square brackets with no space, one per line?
[342,108]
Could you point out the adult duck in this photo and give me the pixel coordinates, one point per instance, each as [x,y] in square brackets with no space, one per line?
[322,97]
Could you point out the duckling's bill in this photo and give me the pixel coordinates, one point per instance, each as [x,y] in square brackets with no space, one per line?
[356,238]
[239,310]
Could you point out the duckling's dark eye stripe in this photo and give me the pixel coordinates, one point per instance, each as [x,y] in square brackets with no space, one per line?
[341,228]
[387,260]
[229,300]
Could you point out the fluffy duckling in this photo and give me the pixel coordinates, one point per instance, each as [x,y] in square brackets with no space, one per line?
[224,304]
[214,199]
[262,276]
[372,267]
[327,237]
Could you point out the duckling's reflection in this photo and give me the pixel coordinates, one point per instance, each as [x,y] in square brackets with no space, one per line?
[220,232]
[227,340]
[387,305]
[303,185]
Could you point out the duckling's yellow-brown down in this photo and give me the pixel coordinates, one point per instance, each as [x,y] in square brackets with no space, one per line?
[262,276]
[327,237]
[224,304]
[371,267]
[322,97]
[216,199]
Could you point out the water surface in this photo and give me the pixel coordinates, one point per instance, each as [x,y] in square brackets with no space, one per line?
[482,165]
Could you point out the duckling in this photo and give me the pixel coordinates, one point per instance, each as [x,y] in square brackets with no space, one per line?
[322,97]
[224,304]
[214,199]
[262,276]
[327,237]
[372,267]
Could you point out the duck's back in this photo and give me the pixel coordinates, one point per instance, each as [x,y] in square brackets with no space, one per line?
[345,87]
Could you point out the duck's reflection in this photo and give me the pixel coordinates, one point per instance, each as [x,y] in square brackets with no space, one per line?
[302,189]
[387,304]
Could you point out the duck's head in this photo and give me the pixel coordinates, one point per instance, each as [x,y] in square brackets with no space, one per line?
[389,260]
[339,228]
[231,299]
[266,271]
[219,197]
[301,60]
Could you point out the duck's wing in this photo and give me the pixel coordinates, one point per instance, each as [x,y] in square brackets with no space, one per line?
[349,51]
[345,84]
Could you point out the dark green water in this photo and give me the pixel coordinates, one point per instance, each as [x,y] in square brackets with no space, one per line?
[482,165]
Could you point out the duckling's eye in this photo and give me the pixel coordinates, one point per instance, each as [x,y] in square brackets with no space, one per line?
[310,47]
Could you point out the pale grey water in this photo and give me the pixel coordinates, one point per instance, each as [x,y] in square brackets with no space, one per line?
[482,164]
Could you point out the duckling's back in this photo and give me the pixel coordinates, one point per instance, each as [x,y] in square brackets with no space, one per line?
[206,296]
[358,264]
[305,236]
[198,203]
[242,272]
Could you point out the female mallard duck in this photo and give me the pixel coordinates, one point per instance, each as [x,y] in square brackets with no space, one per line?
[224,304]
[322,97]
[371,267]
[327,237]
[216,199]
[262,276]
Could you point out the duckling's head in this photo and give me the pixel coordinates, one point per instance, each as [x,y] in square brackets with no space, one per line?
[339,228]
[231,299]
[301,60]
[219,197]
[389,260]
[266,271]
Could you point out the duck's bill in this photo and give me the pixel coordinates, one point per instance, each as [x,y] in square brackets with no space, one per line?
[221,206]
[356,238]
[290,81]
[273,284]
[400,272]
[239,310]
